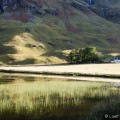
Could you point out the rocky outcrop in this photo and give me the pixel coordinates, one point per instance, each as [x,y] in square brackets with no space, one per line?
[9,4]
[112,14]
[82,7]
[1,9]
[25,10]
[90,2]
[105,9]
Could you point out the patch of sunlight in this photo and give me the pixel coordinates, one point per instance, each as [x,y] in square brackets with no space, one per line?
[66,52]
[114,54]
[26,47]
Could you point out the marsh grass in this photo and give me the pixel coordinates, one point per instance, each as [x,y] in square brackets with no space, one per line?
[45,98]
[106,109]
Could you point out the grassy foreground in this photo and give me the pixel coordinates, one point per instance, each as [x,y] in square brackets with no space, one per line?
[44,99]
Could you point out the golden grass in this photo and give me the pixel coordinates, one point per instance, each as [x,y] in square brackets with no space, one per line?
[36,98]
[27,47]
[29,95]
[20,43]
[66,52]
[114,54]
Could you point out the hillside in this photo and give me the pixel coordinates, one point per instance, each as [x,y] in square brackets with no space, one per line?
[44,31]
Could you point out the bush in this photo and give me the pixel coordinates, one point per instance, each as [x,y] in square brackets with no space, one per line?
[84,55]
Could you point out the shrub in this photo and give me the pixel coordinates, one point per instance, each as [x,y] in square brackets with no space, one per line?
[84,55]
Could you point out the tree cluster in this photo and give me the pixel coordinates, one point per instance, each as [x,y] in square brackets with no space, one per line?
[84,55]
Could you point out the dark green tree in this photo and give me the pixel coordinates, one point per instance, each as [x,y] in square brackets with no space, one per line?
[84,55]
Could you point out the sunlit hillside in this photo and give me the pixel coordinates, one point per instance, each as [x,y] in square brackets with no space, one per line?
[46,38]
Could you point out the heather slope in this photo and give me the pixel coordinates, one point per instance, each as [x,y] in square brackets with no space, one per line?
[45,35]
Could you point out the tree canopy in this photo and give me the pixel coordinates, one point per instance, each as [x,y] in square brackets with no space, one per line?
[84,55]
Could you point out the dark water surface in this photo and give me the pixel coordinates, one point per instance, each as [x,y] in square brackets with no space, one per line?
[24,97]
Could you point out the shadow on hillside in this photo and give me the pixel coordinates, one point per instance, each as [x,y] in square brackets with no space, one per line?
[8,30]
[59,54]
[6,35]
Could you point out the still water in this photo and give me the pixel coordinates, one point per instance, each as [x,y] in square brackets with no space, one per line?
[24,97]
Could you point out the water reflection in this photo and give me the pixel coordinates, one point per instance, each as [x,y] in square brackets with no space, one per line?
[10,78]
[24,97]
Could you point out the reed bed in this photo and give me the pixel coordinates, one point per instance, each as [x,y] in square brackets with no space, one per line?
[107,109]
[34,100]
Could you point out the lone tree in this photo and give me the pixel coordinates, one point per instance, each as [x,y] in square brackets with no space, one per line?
[84,55]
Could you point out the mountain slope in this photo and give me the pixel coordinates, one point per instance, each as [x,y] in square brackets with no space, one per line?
[45,30]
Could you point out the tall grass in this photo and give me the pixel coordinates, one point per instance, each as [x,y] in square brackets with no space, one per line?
[35,100]
[106,109]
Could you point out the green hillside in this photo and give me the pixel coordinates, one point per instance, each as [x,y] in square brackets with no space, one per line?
[49,37]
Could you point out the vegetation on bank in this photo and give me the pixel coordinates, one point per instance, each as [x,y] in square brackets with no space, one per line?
[84,55]
[44,99]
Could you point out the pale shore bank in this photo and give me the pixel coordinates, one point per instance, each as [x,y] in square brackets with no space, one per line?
[77,72]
